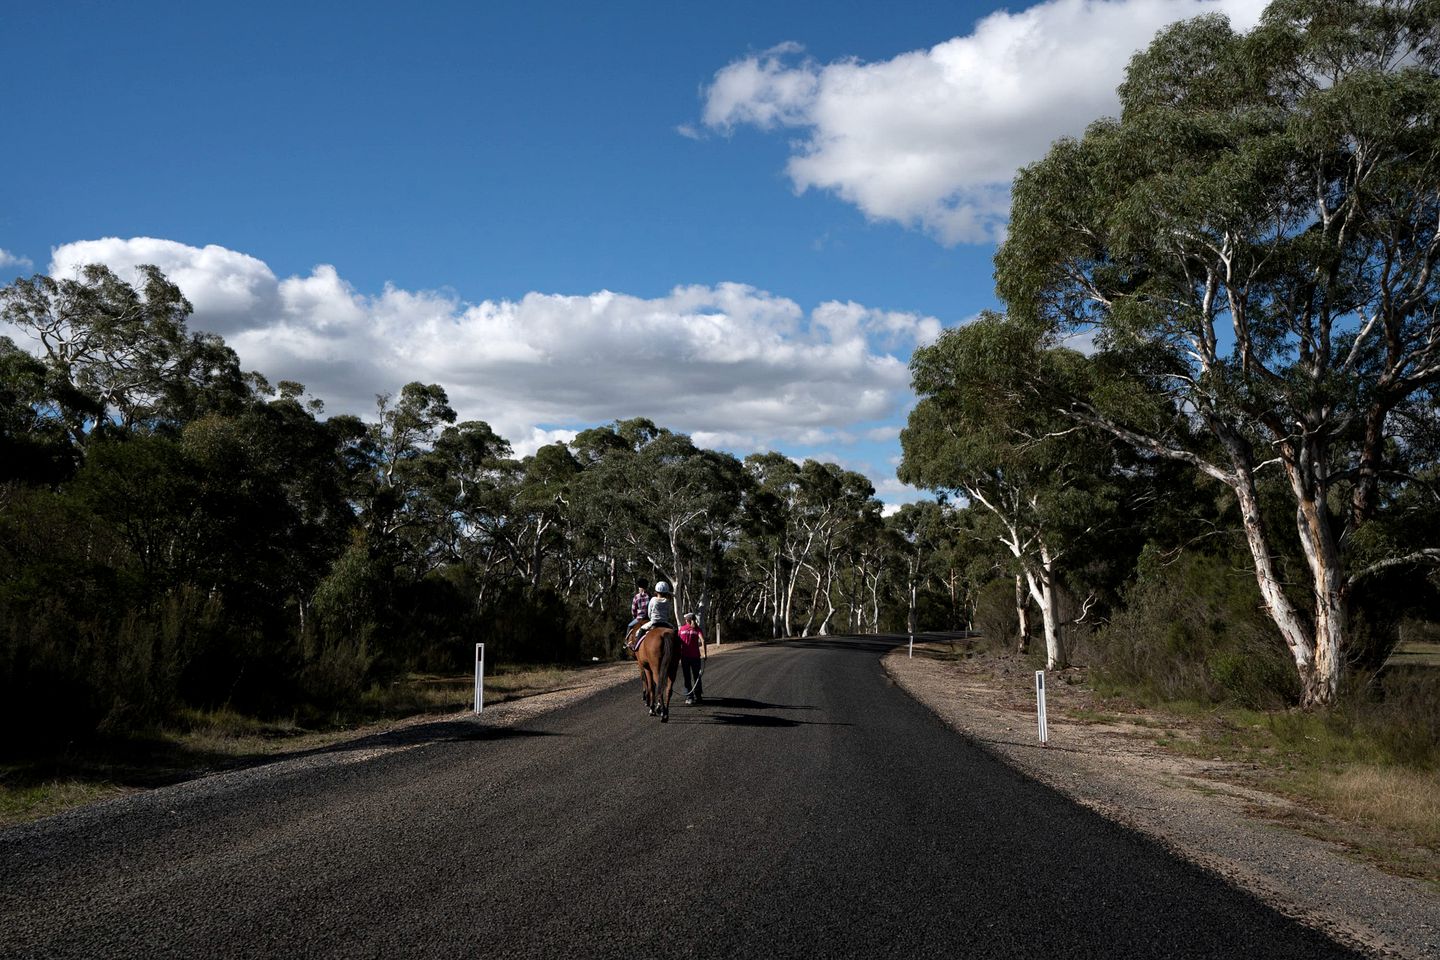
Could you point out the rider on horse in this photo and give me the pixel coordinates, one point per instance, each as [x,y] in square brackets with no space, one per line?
[660,612]
[662,608]
[639,611]
[656,644]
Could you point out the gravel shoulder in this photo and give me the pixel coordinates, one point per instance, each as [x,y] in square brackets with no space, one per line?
[1199,809]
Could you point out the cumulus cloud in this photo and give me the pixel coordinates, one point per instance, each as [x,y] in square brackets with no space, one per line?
[233,290]
[8,260]
[932,138]
[723,362]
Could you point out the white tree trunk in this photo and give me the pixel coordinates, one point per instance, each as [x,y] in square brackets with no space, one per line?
[1321,686]
[1281,610]
[1042,587]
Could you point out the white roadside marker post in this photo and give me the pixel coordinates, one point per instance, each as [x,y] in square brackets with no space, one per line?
[479,677]
[912,646]
[1040,707]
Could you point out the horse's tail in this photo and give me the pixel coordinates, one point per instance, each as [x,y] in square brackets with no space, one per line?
[668,643]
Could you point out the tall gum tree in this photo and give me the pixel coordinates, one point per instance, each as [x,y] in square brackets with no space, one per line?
[1042,479]
[1252,245]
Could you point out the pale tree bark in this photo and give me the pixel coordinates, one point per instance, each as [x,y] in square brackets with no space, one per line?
[1316,647]
[1037,565]
[1041,580]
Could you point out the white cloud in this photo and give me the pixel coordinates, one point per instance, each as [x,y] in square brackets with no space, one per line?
[234,289]
[892,491]
[723,361]
[932,138]
[886,434]
[8,259]
[538,438]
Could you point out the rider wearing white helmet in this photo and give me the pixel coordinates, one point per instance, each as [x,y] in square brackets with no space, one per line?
[662,607]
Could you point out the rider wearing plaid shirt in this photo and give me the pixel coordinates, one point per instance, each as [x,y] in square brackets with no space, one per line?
[639,613]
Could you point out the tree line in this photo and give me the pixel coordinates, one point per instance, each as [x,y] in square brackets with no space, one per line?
[177,532]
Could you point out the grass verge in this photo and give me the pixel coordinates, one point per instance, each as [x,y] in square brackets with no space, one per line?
[1371,775]
[197,742]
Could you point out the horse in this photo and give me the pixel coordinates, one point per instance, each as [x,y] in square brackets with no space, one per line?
[659,658]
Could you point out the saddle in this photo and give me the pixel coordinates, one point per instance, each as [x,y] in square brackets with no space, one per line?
[637,634]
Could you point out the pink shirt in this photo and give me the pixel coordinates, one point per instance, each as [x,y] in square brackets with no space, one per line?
[690,637]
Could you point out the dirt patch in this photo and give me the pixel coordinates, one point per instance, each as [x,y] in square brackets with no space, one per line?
[1206,809]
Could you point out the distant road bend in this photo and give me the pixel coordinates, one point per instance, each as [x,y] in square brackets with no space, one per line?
[808,809]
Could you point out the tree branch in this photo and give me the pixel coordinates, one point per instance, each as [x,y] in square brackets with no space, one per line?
[1429,554]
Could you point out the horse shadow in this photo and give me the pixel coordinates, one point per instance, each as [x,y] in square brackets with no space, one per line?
[742,703]
[750,720]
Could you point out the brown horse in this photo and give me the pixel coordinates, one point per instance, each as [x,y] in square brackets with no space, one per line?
[658,656]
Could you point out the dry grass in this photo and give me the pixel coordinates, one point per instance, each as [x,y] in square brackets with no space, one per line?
[1405,801]
[21,803]
[1415,653]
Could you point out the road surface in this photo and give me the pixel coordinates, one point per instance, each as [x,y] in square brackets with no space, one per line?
[808,809]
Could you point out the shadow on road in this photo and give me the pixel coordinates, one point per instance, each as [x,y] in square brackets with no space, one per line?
[740,703]
[853,644]
[441,731]
[749,720]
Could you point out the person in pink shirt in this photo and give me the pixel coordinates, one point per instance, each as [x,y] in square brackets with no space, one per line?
[692,657]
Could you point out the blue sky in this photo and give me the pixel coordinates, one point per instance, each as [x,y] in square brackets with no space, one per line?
[781,200]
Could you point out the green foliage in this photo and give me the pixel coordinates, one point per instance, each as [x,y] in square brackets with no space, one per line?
[995,617]
[1251,246]
[1192,629]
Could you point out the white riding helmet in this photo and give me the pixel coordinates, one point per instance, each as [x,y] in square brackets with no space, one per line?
[662,588]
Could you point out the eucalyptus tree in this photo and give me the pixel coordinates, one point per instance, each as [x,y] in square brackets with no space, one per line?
[606,515]
[875,547]
[718,531]
[539,509]
[649,499]
[679,492]
[34,448]
[399,513]
[919,529]
[1252,245]
[116,357]
[465,472]
[770,527]
[1042,479]
[832,513]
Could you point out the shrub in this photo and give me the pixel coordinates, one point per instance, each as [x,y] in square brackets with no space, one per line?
[1192,629]
[995,618]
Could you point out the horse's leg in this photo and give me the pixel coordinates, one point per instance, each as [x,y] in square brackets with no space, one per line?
[666,677]
[646,681]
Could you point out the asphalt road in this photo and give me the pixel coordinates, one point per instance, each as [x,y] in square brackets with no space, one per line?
[809,809]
